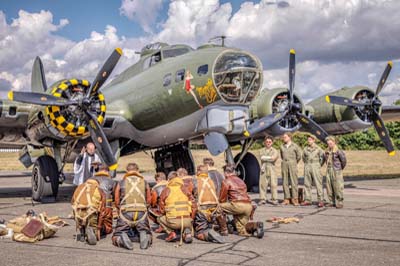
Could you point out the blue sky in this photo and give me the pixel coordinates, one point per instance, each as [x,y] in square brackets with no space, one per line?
[86,16]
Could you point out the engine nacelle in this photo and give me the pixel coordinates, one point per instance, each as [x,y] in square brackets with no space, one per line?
[339,119]
[70,121]
[274,101]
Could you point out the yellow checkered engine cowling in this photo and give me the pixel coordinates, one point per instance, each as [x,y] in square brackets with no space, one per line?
[62,120]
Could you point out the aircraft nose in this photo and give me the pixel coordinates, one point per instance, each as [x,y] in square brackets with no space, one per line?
[237,76]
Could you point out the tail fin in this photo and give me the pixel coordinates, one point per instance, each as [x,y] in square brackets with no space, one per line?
[38,80]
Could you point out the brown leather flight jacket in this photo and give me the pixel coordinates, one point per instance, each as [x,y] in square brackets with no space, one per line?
[119,192]
[156,192]
[234,190]
[336,158]
[188,181]
[165,193]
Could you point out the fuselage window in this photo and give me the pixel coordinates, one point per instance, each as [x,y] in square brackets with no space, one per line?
[180,75]
[174,52]
[167,80]
[152,60]
[202,70]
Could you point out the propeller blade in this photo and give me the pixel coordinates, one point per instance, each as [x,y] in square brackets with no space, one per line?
[383,79]
[292,73]
[345,101]
[105,71]
[263,123]
[101,142]
[382,133]
[312,126]
[39,98]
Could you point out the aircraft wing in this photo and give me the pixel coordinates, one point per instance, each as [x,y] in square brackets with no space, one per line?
[391,113]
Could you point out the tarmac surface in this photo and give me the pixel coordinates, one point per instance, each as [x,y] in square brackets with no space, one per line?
[365,232]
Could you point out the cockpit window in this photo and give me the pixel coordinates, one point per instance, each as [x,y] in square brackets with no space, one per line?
[174,52]
[152,60]
[202,70]
[237,77]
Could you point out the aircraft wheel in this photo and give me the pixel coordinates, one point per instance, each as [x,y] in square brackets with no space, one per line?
[45,178]
[249,170]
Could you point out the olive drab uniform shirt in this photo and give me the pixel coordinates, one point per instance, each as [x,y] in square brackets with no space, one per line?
[268,158]
[290,153]
[313,155]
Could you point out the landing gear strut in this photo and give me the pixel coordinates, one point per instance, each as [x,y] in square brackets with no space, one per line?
[174,157]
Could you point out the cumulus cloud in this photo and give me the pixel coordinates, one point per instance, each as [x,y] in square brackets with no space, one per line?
[144,12]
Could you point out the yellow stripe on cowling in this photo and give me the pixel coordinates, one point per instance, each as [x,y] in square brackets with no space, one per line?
[119,50]
[292,51]
[113,167]
[60,128]
[60,120]
[69,127]
[10,95]
[392,153]
[85,82]
[100,118]
[103,108]
[101,97]
[63,86]
[327,99]
[55,108]
[74,81]
[52,117]
[81,130]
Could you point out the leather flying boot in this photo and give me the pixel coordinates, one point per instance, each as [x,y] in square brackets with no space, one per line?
[171,237]
[91,236]
[145,240]
[223,227]
[187,236]
[213,236]
[124,241]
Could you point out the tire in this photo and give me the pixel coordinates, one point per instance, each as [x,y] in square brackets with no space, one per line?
[44,178]
[249,170]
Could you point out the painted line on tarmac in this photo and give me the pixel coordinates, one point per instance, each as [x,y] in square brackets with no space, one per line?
[272,230]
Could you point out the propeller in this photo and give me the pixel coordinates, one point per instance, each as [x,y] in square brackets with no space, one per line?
[96,131]
[292,110]
[369,108]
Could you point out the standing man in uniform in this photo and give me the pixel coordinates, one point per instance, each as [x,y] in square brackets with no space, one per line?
[83,165]
[313,157]
[213,173]
[335,163]
[154,210]
[268,157]
[207,204]
[291,156]
[234,200]
[132,197]
[178,209]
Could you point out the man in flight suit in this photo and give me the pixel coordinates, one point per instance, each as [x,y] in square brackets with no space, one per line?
[268,155]
[291,156]
[313,157]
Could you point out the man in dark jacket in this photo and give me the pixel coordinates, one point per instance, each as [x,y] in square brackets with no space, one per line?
[234,200]
[214,174]
[335,163]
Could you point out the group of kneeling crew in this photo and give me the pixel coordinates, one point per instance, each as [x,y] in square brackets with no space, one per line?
[182,206]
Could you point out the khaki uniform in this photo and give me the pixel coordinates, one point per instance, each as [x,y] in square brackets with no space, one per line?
[291,155]
[313,158]
[241,212]
[335,163]
[268,176]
